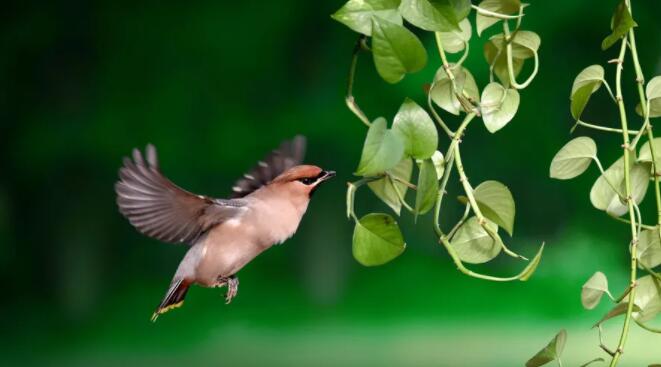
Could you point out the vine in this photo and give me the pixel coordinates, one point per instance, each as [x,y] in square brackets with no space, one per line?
[391,155]
[621,188]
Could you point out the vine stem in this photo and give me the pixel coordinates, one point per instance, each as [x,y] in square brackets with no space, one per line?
[632,215]
[349,99]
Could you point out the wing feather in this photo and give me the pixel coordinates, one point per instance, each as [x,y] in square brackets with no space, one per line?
[158,208]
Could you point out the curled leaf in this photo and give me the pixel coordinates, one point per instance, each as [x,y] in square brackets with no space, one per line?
[427,187]
[552,351]
[621,24]
[593,289]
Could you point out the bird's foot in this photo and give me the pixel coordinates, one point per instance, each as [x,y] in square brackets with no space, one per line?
[232,284]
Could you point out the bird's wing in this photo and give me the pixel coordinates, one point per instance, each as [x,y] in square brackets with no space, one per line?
[162,210]
[289,154]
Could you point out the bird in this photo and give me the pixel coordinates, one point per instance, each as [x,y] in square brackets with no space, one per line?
[265,208]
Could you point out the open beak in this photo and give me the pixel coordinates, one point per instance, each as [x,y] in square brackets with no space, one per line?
[327,176]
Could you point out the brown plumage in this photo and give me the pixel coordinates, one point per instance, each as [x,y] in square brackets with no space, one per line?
[266,207]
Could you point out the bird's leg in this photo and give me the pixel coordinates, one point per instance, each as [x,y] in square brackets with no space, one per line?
[232,283]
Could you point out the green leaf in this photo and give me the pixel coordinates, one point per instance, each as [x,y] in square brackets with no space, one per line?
[435,15]
[619,309]
[496,203]
[427,189]
[377,239]
[648,298]
[416,129]
[473,244]
[653,92]
[532,265]
[573,158]
[649,248]
[593,289]
[496,56]
[586,83]
[396,50]
[592,75]
[507,7]
[439,163]
[602,195]
[383,149]
[357,14]
[442,93]
[645,153]
[621,24]
[384,188]
[499,105]
[551,352]
[455,41]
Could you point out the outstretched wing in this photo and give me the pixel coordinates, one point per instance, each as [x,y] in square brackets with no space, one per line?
[289,154]
[162,210]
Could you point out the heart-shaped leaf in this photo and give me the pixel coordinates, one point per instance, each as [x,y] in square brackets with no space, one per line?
[435,15]
[442,92]
[648,298]
[499,105]
[427,189]
[585,84]
[645,153]
[649,248]
[473,244]
[396,50]
[357,14]
[551,352]
[384,188]
[507,7]
[383,149]
[455,41]
[593,289]
[416,129]
[496,203]
[573,158]
[377,239]
[622,22]
[602,195]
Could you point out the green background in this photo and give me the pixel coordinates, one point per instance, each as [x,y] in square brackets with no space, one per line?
[215,85]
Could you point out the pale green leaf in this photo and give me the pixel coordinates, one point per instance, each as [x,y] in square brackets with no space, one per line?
[439,163]
[473,244]
[357,14]
[593,289]
[648,298]
[573,158]
[499,105]
[653,91]
[649,248]
[384,188]
[427,188]
[532,265]
[455,41]
[396,50]
[377,239]
[552,351]
[622,22]
[435,15]
[496,56]
[640,179]
[619,309]
[383,149]
[416,129]
[496,203]
[602,195]
[580,100]
[507,7]
[443,94]
[645,153]
[592,75]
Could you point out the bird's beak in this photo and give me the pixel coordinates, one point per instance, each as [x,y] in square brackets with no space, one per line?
[327,176]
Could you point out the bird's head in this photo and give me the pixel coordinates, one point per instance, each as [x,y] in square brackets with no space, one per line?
[303,179]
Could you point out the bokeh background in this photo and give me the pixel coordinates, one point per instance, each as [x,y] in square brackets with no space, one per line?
[215,85]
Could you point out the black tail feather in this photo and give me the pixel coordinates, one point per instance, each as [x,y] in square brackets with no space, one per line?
[173,299]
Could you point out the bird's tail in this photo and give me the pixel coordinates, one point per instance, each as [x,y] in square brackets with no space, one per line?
[173,299]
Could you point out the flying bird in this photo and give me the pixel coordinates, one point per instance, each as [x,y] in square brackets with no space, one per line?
[265,208]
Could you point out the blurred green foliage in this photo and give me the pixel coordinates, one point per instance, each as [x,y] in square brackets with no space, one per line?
[215,85]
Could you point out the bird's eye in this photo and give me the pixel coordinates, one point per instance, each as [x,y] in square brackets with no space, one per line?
[307,180]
